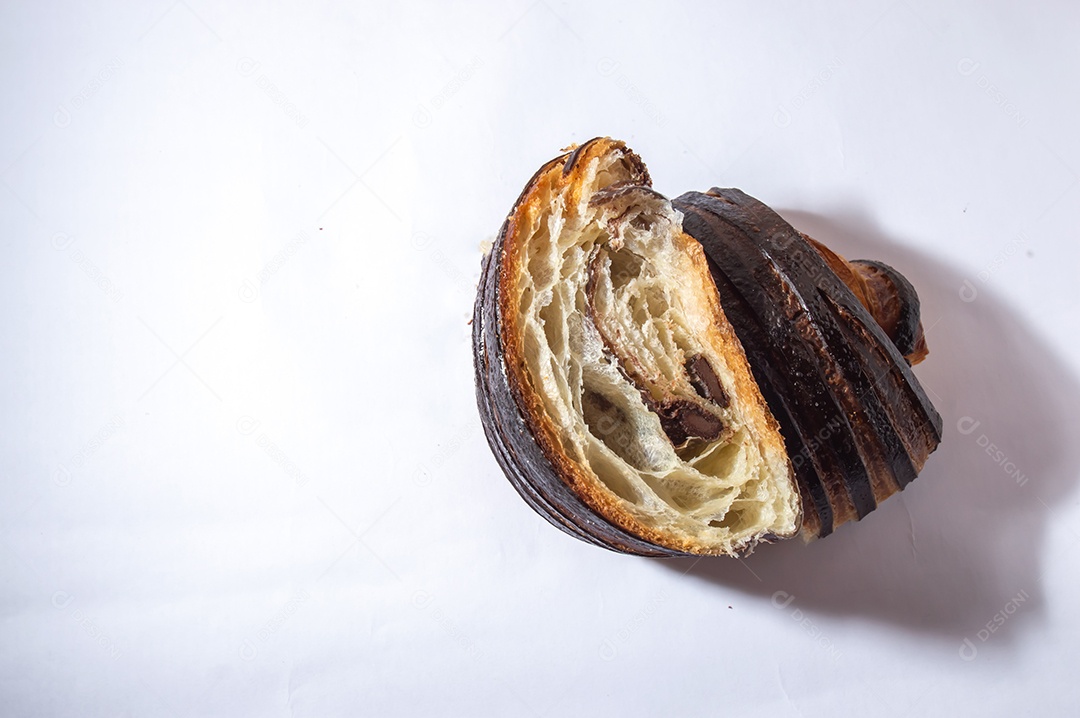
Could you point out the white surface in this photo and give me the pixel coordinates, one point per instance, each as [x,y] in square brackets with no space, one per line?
[242,463]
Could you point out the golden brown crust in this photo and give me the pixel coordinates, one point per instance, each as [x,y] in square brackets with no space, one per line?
[888,300]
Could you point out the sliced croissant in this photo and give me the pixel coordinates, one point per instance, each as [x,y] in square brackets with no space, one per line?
[619,400]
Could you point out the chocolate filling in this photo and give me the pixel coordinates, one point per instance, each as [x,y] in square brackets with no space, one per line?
[705,381]
[683,420]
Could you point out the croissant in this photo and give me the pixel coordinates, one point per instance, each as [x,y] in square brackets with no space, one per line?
[690,377]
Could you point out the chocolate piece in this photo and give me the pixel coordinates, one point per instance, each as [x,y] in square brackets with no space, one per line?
[705,381]
[683,420]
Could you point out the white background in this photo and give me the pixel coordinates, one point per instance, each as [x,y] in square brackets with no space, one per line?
[243,471]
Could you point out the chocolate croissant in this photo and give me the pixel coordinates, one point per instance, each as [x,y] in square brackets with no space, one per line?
[691,377]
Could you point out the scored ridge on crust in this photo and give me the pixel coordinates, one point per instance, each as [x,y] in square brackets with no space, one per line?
[615,394]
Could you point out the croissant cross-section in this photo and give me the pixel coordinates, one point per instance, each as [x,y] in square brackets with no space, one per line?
[615,393]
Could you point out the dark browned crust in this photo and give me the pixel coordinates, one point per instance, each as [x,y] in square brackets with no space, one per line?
[823,363]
